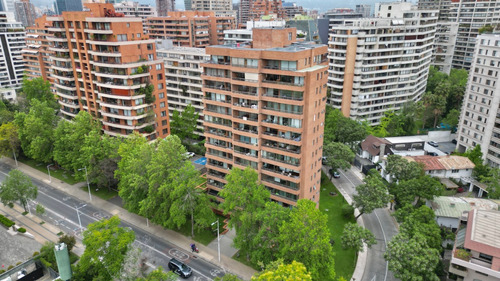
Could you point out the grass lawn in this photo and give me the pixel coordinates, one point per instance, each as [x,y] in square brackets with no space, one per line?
[55,173]
[102,193]
[204,236]
[345,260]
[241,256]
[449,192]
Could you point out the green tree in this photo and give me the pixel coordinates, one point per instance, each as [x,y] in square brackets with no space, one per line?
[106,245]
[293,271]
[371,195]
[7,111]
[306,239]
[184,124]
[188,199]
[423,187]
[422,221]
[69,240]
[401,169]
[265,244]
[135,154]
[339,128]
[242,193]
[38,89]
[159,275]
[17,187]
[338,156]
[168,158]
[9,140]
[435,77]
[492,181]
[36,131]
[452,117]
[411,259]
[40,209]
[99,153]
[355,235]
[436,101]
[68,138]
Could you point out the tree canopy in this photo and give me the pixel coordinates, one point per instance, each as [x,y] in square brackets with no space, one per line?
[338,155]
[355,235]
[343,129]
[183,124]
[17,187]
[371,195]
[106,245]
[278,272]
[39,89]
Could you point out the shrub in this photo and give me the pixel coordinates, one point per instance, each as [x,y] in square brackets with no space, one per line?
[462,254]
[18,263]
[5,221]
[10,267]
[347,211]
[35,254]
[25,213]
[2,271]
[21,229]
[69,240]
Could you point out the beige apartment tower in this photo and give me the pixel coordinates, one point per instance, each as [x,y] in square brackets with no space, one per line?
[265,109]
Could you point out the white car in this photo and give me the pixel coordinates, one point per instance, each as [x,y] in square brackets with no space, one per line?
[189,154]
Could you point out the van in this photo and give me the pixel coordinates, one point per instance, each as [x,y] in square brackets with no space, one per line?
[180,268]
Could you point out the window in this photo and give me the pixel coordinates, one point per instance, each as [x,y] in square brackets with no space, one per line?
[454,171]
[289,36]
[121,37]
[161,95]
[160,86]
[158,66]
[162,104]
[163,113]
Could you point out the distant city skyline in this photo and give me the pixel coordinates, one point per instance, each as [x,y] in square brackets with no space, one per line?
[320,5]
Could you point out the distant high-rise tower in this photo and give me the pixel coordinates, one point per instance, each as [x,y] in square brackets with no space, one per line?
[7,6]
[68,5]
[187,5]
[12,41]
[364,9]
[164,6]
[25,12]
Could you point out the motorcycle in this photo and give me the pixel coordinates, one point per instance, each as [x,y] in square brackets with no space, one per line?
[194,249]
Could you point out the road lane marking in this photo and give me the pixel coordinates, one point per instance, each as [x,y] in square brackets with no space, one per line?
[385,244]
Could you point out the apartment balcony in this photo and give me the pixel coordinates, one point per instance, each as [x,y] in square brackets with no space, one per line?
[279,146]
[476,265]
[72,96]
[112,85]
[123,125]
[56,29]
[71,112]
[281,184]
[70,104]
[66,86]
[224,88]
[269,110]
[98,31]
[251,129]
[217,133]
[218,175]
[280,172]
[63,76]
[282,98]
[120,104]
[63,49]
[104,53]
[118,115]
[247,118]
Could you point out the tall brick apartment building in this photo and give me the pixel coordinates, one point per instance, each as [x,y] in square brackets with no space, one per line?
[103,63]
[265,108]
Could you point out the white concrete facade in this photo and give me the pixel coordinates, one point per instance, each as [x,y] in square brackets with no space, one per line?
[12,41]
[380,64]
[480,116]
[183,76]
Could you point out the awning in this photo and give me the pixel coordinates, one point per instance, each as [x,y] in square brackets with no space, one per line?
[448,183]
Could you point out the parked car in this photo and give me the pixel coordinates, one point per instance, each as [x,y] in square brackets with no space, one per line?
[433,143]
[180,268]
[189,154]
[432,153]
[323,160]
[454,141]
[334,173]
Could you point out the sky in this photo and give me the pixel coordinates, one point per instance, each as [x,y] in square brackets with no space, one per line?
[321,5]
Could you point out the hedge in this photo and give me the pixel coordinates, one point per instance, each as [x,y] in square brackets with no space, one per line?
[21,229]
[6,222]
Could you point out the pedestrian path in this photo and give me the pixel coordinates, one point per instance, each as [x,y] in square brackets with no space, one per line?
[226,244]
[207,253]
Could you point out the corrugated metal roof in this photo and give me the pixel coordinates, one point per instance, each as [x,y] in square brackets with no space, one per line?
[460,239]
[450,207]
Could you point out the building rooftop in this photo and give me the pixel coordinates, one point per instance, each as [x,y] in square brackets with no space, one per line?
[372,144]
[184,50]
[447,162]
[483,232]
[450,207]
[408,139]
[295,47]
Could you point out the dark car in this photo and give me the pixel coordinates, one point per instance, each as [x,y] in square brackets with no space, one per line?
[432,153]
[180,268]
[454,141]
[433,143]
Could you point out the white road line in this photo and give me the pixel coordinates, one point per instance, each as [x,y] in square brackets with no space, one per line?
[385,242]
[374,278]
[135,240]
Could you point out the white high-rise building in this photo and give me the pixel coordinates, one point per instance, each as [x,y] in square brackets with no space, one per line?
[12,41]
[135,9]
[183,78]
[380,64]
[480,116]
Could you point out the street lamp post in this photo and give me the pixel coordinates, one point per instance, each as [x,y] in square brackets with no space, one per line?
[218,238]
[87,177]
[78,214]
[48,170]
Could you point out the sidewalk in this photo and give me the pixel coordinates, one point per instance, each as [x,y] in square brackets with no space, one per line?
[173,237]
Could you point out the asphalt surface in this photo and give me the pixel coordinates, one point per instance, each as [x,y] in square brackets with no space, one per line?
[380,223]
[61,211]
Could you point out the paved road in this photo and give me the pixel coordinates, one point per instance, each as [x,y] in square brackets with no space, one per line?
[380,223]
[61,211]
